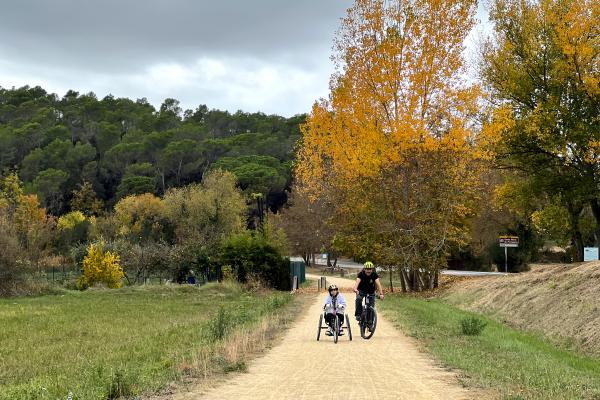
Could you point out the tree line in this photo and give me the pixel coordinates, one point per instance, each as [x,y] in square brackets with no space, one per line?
[122,191]
[123,147]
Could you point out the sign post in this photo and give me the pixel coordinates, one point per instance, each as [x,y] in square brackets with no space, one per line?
[506,242]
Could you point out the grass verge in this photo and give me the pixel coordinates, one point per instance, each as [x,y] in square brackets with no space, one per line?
[514,364]
[103,344]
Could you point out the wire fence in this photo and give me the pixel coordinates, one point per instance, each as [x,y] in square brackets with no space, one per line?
[66,275]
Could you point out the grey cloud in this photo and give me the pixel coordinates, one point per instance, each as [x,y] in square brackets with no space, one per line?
[116,46]
[109,33]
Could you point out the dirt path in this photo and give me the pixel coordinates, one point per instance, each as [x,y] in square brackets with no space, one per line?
[388,366]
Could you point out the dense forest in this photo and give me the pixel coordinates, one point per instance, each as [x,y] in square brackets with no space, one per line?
[122,147]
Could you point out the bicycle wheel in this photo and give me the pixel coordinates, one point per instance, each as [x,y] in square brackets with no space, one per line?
[336,328]
[319,328]
[362,324]
[374,324]
[370,327]
[348,325]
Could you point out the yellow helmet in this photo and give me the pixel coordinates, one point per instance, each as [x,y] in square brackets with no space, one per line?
[369,265]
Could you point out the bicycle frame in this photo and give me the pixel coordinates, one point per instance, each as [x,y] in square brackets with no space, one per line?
[368,317]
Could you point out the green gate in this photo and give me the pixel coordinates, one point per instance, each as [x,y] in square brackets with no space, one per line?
[297,268]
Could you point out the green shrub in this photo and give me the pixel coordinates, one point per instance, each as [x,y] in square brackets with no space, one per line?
[119,385]
[472,326]
[220,325]
[254,254]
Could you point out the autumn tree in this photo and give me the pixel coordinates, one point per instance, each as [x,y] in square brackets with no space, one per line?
[393,146]
[543,72]
[25,234]
[85,200]
[305,224]
[141,218]
[203,216]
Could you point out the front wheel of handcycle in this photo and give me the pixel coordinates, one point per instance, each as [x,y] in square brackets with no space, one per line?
[349,329]
[336,328]
[319,328]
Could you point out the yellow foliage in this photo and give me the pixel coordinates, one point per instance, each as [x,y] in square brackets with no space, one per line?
[70,220]
[397,93]
[393,145]
[139,212]
[29,216]
[101,266]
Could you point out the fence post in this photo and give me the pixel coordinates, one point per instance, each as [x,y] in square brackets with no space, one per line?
[323,283]
[295,283]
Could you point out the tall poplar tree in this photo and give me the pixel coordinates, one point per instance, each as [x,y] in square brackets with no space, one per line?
[393,145]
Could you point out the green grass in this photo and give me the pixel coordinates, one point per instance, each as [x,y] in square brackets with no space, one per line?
[100,344]
[512,363]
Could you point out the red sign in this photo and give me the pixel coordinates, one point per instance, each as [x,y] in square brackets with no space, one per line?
[508,241]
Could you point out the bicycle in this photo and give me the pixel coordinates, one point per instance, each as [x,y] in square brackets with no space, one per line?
[336,323]
[368,317]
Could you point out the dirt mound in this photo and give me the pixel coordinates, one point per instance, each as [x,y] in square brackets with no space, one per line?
[560,301]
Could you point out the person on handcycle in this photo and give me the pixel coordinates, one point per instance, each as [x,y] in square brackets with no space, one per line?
[334,297]
[367,281]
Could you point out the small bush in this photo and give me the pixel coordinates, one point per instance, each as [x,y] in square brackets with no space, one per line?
[100,266]
[254,254]
[220,325]
[472,326]
[119,386]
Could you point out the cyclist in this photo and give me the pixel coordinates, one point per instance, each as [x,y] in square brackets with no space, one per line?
[334,295]
[367,281]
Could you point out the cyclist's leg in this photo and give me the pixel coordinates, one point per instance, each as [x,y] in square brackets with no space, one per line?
[341,322]
[358,304]
[329,319]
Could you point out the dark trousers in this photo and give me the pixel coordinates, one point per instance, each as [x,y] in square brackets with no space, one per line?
[329,319]
[359,298]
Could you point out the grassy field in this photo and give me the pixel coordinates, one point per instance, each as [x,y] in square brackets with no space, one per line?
[101,344]
[511,363]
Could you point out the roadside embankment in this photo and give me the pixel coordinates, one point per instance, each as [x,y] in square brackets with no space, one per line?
[560,302]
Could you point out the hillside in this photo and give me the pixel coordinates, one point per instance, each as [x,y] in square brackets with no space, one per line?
[124,147]
[560,301]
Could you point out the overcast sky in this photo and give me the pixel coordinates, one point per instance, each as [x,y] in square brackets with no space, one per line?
[254,55]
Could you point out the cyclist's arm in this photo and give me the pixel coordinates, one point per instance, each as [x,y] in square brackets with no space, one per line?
[379,287]
[355,287]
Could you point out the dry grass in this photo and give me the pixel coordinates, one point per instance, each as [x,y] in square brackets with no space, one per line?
[562,302]
[211,364]
[149,336]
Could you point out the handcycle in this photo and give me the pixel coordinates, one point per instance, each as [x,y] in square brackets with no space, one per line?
[335,310]
[368,318]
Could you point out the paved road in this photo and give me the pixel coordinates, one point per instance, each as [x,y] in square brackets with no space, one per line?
[349,264]
[387,367]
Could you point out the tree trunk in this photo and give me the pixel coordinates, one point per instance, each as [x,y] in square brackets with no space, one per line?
[596,211]
[391,282]
[306,258]
[403,281]
[415,280]
[576,237]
